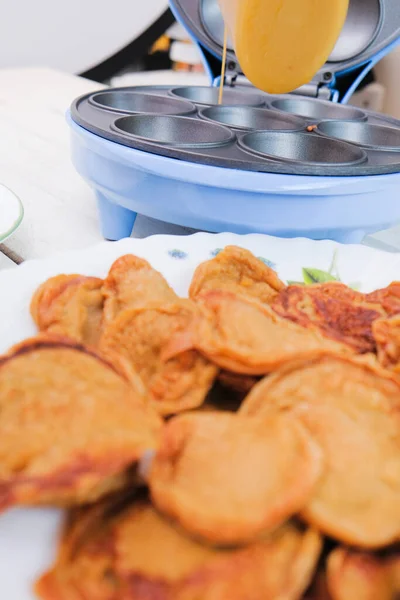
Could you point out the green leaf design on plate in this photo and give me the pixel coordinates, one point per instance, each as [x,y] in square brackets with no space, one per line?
[333,269]
[312,276]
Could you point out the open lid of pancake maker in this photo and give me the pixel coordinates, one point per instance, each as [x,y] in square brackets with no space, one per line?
[371,30]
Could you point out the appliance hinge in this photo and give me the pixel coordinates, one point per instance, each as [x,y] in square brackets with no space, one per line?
[314,90]
[317,88]
[231,79]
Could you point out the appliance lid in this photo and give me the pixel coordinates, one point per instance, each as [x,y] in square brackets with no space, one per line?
[371,30]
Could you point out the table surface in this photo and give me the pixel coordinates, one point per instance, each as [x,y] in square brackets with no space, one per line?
[60,208]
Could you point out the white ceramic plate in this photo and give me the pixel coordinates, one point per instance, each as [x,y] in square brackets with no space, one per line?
[28,537]
[11,212]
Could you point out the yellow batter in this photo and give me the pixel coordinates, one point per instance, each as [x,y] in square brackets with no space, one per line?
[222,79]
[282,44]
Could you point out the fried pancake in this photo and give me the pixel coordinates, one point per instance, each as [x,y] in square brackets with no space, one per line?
[71,306]
[141,335]
[335,310]
[352,409]
[133,283]
[353,575]
[84,566]
[221,398]
[70,424]
[227,479]
[388,298]
[45,294]
[137,555]
[387,337]
[392,562]
[319,588]
[244,336]
[337,289]
[236,270]
[241,384]
[279,567]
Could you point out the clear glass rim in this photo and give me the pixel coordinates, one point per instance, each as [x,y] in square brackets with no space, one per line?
[5,234]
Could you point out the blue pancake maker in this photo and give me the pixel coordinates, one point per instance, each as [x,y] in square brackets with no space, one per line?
[267,182]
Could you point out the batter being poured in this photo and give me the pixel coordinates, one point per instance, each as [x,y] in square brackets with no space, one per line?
[282,44]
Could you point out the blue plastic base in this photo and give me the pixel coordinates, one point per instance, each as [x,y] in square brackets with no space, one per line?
[129,181]
[116,221]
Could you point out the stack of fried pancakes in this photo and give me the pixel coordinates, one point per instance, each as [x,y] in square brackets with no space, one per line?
[239,444]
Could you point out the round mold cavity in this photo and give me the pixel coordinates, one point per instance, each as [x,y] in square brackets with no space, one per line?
[178,132]
[209,95]
[302,148]
[137,102]
[376,137]
[318,110]
[245,117]
[359,31]
[154,90]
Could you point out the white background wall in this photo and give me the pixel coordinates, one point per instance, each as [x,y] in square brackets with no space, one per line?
[72,35]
